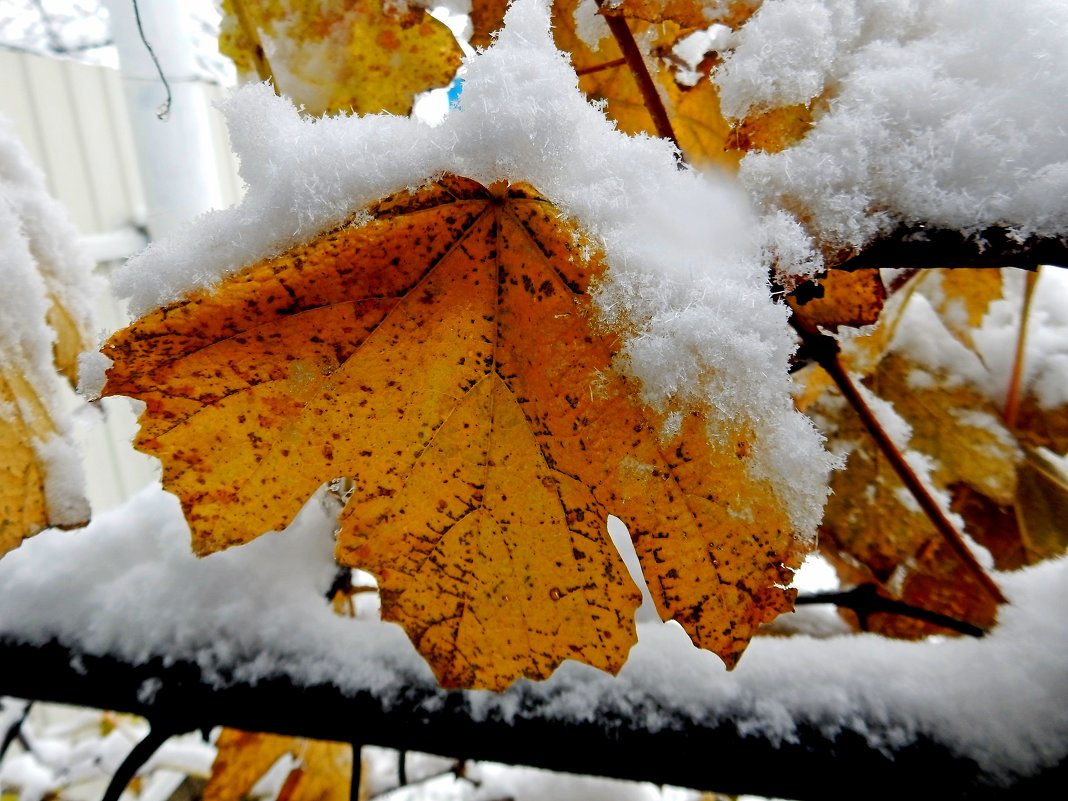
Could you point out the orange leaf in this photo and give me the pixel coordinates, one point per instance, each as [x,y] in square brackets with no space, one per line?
[323,771]
[691,13]
[444,355]
[849,298]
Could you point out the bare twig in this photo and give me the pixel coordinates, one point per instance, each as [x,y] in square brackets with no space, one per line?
[865,600]
[357,772]
[140,754]
[14,731]
[164,109]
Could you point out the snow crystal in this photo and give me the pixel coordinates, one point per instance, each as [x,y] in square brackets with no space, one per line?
[949,113]
[135,590]
[50,236]
[686,274]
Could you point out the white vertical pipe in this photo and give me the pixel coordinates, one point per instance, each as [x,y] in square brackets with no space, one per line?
[175,155]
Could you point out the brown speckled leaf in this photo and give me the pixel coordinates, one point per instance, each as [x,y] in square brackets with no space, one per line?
[445,356]
[851,299]
[323,770]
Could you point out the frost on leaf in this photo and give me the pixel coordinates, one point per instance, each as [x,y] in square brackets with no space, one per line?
[365,57]
[321,770]
[446,356]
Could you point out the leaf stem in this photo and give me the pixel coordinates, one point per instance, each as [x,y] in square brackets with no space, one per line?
[632,54]
[259,57]
[824,350]
[604,65]
[1012,397]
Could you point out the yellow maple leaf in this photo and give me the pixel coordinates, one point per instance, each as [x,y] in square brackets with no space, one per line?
[445,356]
[323,771]
[362,56]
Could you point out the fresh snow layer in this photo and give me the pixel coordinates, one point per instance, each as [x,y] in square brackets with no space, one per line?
[950,113]
[686,279]
[128,586]
[40,263]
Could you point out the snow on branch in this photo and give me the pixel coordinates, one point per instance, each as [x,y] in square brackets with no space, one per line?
[522,726]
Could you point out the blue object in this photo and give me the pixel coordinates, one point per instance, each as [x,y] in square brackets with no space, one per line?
[455,90]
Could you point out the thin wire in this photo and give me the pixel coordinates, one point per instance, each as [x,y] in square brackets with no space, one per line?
[165,109]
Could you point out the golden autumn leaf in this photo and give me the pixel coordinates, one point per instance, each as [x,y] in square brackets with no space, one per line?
[1030,527]
[852,299]
[362,56]
[445,356]
[28,433]
[873,530]
[1040,427]
[323,770]
[23,509]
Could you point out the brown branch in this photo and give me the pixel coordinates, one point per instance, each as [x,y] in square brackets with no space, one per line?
[527,726]
[824,350]
[865,601]
[140,754]
[632,54]
[926,248]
